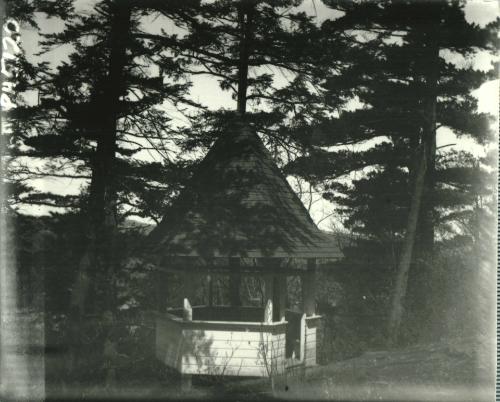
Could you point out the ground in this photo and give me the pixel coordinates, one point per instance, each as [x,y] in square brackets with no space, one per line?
[433,372]
[451,370]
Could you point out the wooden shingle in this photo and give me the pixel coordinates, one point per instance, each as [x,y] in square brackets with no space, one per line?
[239,204]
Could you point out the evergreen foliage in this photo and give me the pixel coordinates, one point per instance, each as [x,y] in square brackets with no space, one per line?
[349,106]
[410,56]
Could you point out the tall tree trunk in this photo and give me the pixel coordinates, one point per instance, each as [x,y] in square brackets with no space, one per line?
[420,294]
[98,263]
[397,309]
[424,323]
[245,17]
[427,222]
[423,182]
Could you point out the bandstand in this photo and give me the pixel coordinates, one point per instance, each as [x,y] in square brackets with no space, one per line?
[239,217]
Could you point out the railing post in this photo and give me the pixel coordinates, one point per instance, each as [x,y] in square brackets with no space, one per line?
[268,311]
[302,336]
[187,315]
[308,327]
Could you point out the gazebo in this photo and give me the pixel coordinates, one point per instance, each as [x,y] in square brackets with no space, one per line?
[238,216]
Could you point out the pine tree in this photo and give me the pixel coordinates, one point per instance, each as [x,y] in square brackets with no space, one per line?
[408,89]
[269,56]
[96,111]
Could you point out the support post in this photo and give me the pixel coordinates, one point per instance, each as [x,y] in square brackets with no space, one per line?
[309,288]
[160,297]
[235,282]
[210,283]
[191,283]
[280,290]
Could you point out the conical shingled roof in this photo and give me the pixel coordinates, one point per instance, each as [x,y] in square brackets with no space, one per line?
[238,204]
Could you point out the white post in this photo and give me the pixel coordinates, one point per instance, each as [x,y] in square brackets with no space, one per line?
[268,311]
[302,337]
[308,348]
[268,298]
[187,315]
[187,311]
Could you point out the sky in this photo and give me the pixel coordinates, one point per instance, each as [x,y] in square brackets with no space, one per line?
[207,91]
